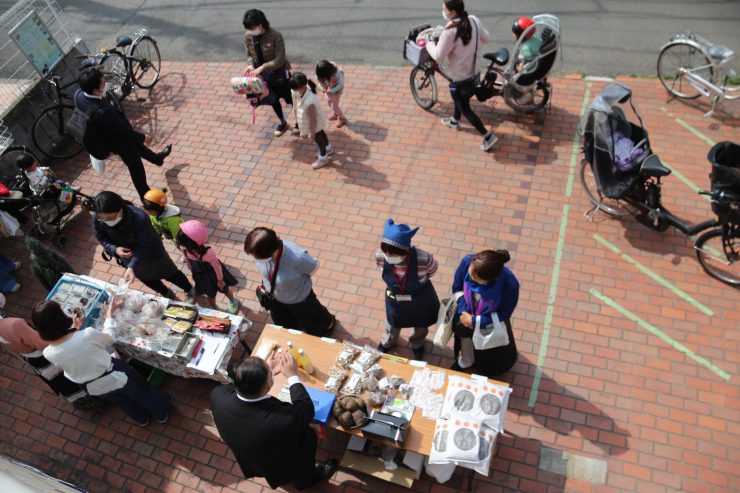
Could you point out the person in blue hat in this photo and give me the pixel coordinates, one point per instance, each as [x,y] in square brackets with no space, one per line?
[410,298]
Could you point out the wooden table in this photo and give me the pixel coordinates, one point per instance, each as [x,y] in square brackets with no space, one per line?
[323,354]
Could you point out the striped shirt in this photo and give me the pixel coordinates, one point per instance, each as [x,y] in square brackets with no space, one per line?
[427,265]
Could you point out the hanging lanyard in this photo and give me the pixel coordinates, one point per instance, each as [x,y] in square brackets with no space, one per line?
[273,275]
[401,286]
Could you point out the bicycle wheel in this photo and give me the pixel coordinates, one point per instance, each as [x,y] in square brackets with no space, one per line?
[423,87]
[50,136]
[9,172]
[145,62]
[612,207]
[674,61]
[115,68]
[718,252]
[523,102]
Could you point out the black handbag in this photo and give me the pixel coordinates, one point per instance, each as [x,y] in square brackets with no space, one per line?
[386,426]
[265,298]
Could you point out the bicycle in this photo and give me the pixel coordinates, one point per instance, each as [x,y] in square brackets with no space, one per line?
[501,77]
[48,133]
[689,66]
[133,61]
[634,188]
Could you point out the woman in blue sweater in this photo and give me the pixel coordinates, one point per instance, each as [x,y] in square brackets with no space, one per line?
[488,289]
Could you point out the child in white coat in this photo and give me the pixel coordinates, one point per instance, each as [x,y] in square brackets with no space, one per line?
[310,116]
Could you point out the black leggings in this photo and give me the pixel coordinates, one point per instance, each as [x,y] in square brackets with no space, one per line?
[461,93]
[322,141]
[136,167]
[281,92]
[178,279]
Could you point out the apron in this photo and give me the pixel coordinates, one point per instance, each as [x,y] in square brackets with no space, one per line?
[418,305]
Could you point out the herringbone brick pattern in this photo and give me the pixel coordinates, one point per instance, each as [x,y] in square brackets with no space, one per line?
[609,388]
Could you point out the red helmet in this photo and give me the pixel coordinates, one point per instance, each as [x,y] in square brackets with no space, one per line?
[521,25]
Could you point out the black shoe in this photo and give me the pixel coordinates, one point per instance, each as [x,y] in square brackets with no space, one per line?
[162,155]
[325,470]
[280,129]
[382,348]
[418,353]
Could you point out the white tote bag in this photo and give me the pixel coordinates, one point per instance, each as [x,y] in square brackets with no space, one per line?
[98,165]
[10,225]
[495,335]
[447,310]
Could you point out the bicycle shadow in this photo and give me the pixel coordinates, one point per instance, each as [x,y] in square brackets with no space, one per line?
[721,115]
[144,113]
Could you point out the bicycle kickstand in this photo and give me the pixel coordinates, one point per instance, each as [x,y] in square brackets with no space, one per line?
[715,102]
[589,214]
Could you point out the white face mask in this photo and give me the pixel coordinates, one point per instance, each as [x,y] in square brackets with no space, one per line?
[393,259]
[445,15]
[262,261]
[296,94]
[255,32]
[113,222]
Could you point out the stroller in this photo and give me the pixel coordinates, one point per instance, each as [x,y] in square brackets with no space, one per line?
[47,206]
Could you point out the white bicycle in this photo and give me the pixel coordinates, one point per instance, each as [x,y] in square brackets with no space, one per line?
[689,66]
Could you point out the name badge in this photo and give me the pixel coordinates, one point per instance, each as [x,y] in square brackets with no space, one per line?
[403,297]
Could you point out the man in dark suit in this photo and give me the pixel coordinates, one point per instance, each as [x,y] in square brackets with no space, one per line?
[112,125]
[269,438]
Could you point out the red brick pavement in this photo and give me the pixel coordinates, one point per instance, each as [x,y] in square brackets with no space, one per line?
[610,390]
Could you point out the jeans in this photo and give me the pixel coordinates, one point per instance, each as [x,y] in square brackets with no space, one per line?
[7,279]
[333,99]
[461,93]
[138,399]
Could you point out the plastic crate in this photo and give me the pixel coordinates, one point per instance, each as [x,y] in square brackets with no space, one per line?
[414,53]
[70,293]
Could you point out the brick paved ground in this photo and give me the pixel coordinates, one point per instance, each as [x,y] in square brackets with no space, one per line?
[609,390]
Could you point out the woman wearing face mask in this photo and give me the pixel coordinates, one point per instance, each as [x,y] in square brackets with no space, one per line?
[458,44]
[126,233]
[489,289]
[266,57]
[410,298]
[286,271]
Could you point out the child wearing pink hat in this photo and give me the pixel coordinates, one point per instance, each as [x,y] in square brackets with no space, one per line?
[209,274]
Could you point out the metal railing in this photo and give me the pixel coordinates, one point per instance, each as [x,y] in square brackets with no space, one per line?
[17,74]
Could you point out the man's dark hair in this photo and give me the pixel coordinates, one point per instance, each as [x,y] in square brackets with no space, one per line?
[250,377]
[262,242]
[50,321]
[89,79]
[254,18]
[25,161]
[107,202]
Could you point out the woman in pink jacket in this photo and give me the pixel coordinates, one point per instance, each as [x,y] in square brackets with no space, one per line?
[458,44]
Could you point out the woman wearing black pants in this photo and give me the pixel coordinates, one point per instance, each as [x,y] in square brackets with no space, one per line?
[458,43]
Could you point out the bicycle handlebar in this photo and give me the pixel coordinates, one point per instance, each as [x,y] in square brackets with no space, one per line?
[721,196]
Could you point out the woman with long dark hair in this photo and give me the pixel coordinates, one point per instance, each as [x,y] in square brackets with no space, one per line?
[458,44]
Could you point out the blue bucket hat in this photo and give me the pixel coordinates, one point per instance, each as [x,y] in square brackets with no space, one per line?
[398,235]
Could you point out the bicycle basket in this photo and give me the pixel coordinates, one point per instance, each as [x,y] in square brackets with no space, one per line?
[725,159]
[414,53]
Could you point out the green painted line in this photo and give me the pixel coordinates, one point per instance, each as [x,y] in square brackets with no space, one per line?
[576,147]
[660,334]
[695,132]
[655,277]
[550,307]
[558,258]
[688,182]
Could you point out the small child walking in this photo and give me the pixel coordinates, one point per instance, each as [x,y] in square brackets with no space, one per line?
[310,116]
[331,79]
[209,274]
[165,218]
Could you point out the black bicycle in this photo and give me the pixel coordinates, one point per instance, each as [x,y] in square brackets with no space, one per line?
[48,132]
[132,62]
[621,176]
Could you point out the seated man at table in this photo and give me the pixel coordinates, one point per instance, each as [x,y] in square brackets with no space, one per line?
[269,438]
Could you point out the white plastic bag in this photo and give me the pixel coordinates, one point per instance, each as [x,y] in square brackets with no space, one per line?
[447,310]
[10,225]
[495,335]
[98,165]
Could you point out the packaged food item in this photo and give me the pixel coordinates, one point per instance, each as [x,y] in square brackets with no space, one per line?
[457,440]
[346,354]
[209,322]
[396,381]
[350,411]
[180,326]
[367,358]
[134,301]
[353,384]
[152,309]
[335,379]
[472,399]
[181,311]
[370,384]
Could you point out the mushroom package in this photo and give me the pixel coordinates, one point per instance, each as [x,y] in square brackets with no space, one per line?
[471,399]
[464,442]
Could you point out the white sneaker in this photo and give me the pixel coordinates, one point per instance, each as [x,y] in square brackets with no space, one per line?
[488,143]
[451,123]
[329,150]
[18,264]
[15,288]
[320,162]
